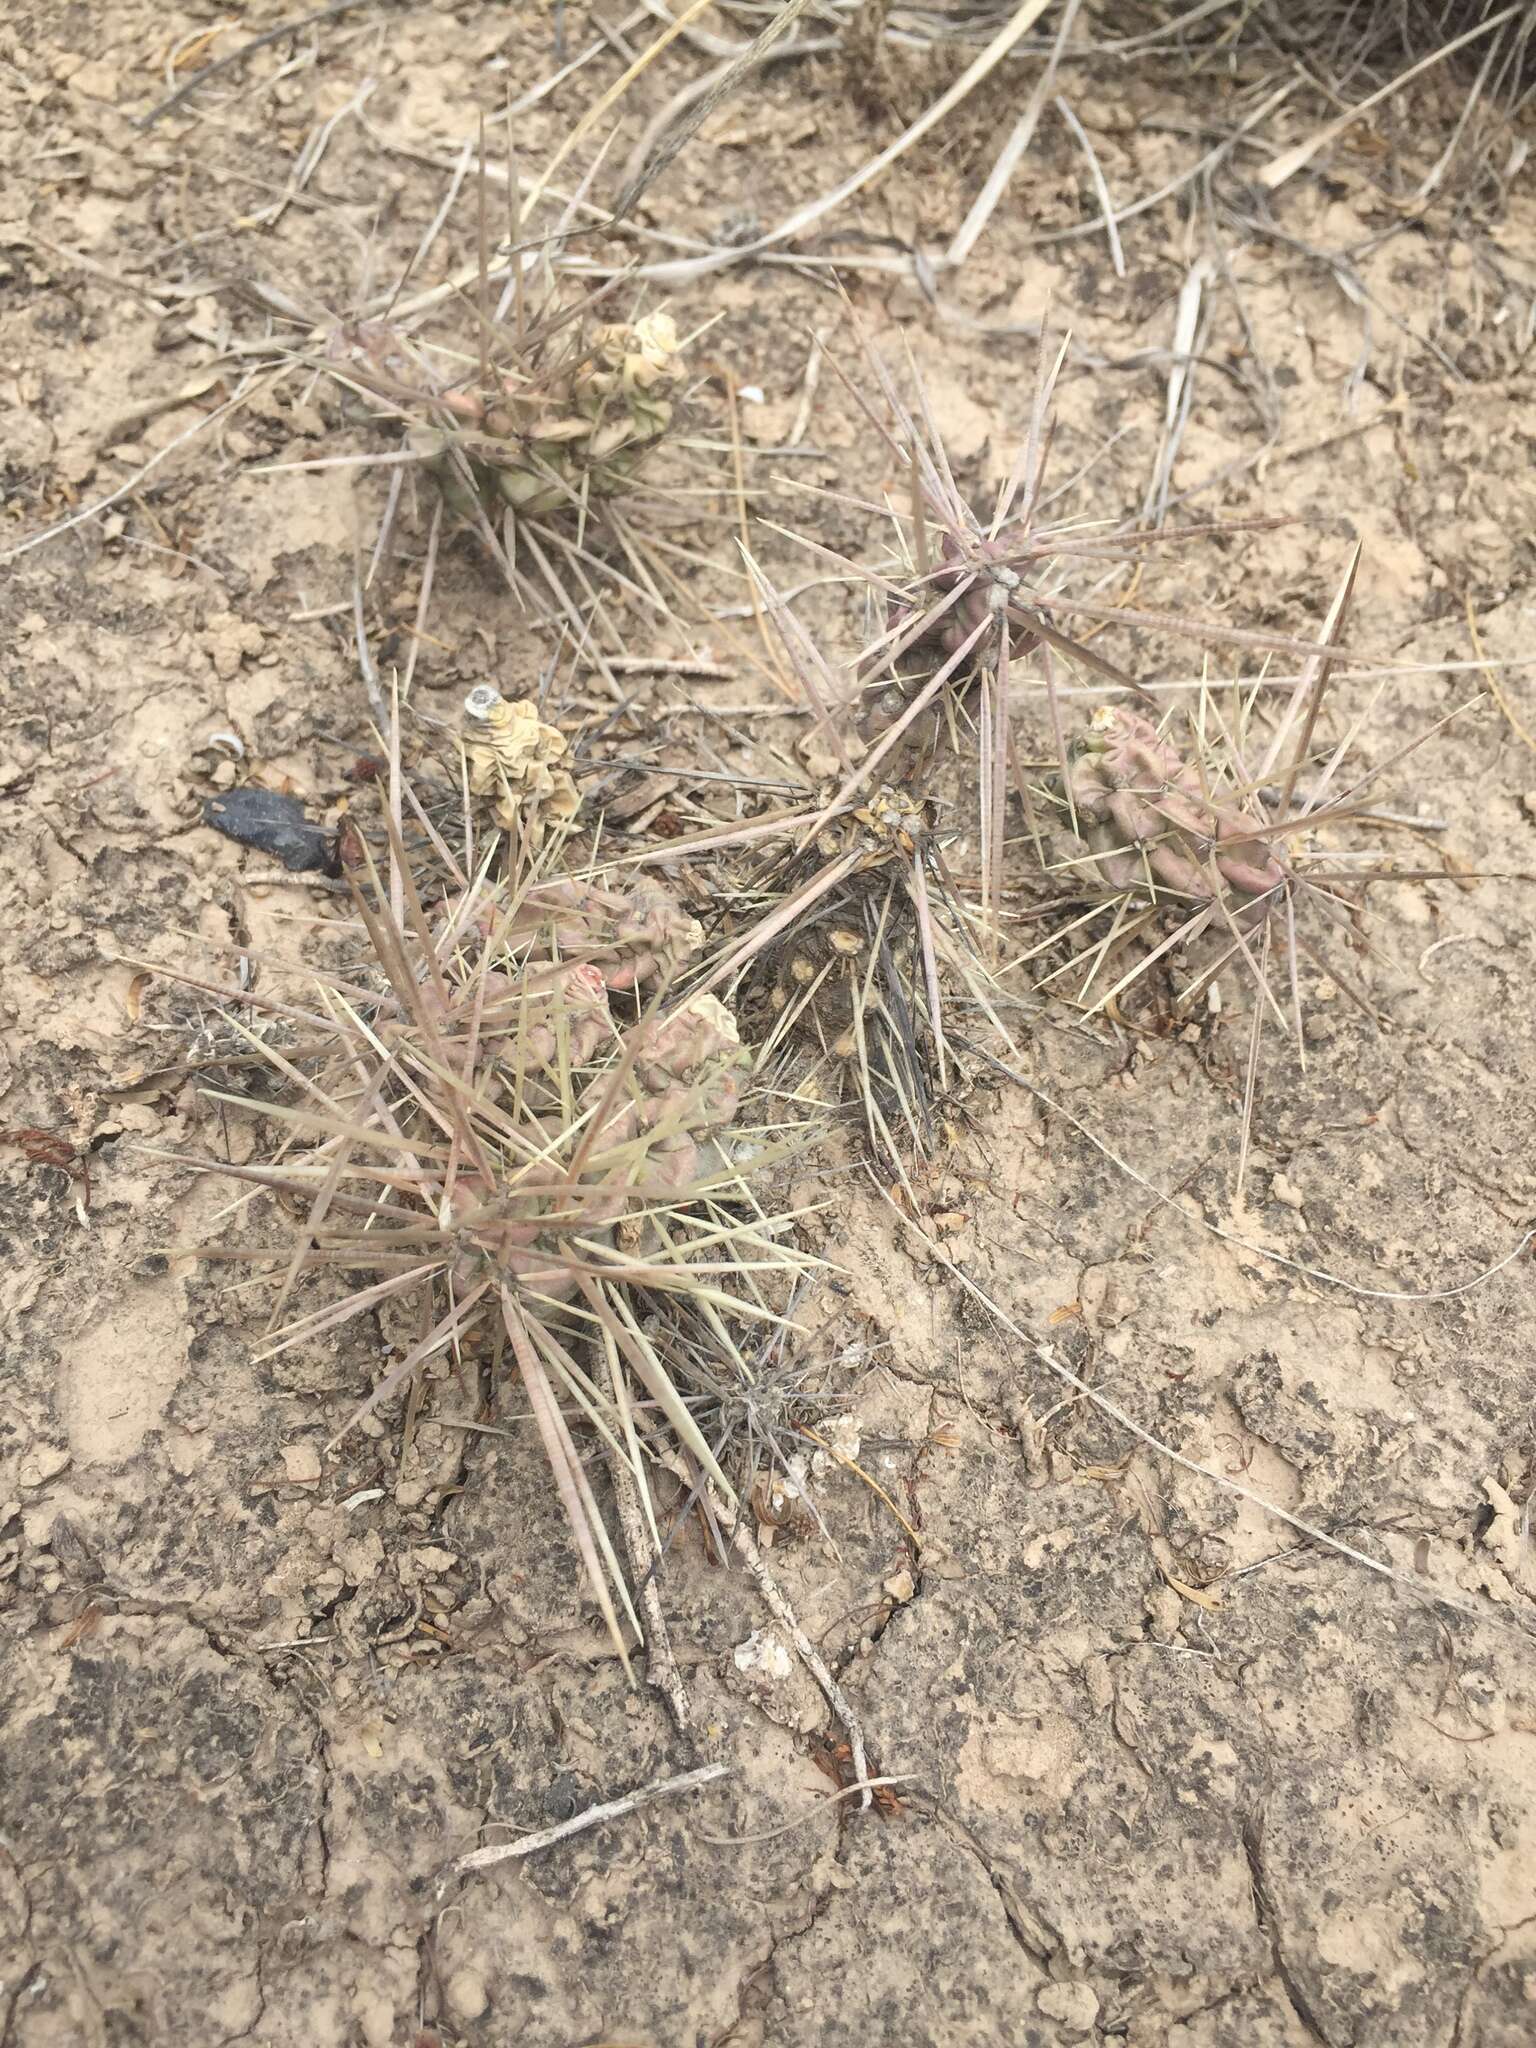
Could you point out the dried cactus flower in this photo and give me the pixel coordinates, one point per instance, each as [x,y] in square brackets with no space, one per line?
[593,438]
[517,759]
[895,824]
[1151,825]
[639,362]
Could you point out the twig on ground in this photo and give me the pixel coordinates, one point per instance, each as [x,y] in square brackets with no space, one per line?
[1100,187]
[605,100]
[595,1816]
[268,878]
[828,1803]
[1019,139]
[745,1546]
[665,665]
[682,117]
[676,272]
[126,490]
[660,1664]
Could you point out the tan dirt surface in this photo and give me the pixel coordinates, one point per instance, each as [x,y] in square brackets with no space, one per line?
[1177,1775]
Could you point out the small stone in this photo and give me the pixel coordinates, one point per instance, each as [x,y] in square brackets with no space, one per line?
[467,1995]
[1528,804]
[96,80]
[1165,1611]
[1073,2004]
[301,1464]
[30,440]
[762,1656]
[228,640]
[361,1557]
[1098,1683]
[434,1561]
[900,1586]
[1286,1191]
[42,1463]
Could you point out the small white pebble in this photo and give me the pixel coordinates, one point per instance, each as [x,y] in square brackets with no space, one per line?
[467,1995]
[763,1656]
[1073,2004]
[42,1463]
[301,1464]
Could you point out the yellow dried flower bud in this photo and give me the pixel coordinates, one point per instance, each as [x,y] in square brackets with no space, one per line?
[518,759]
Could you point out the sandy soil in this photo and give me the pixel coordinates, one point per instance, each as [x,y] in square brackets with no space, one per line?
[1177,1775]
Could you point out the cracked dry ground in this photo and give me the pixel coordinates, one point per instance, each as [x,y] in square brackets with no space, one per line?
[1176,1777]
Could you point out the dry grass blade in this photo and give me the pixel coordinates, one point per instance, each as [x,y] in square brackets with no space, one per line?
[679,270]
[718,89]
[1008,158]
[1276,172]
[594,1816]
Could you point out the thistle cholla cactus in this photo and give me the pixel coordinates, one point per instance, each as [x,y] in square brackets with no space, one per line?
[500,1133]
[539,437]
[666,1130]
[987,585]
[1151,825]
[689,1068]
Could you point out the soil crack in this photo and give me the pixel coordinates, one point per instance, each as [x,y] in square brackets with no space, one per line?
[1268,1917]
[1037,1939]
